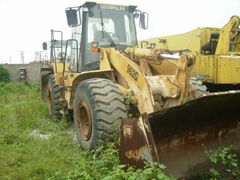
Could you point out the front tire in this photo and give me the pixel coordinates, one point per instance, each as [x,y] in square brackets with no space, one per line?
[98,110]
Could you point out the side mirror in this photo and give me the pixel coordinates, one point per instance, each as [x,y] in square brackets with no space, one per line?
[136,15]
[143,22]
[72,18]
[44,46]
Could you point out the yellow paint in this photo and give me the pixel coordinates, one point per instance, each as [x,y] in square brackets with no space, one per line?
[131,73]
[104,63]
[221,67]
[136,81]
[229,31]
[192,40]
[228,70]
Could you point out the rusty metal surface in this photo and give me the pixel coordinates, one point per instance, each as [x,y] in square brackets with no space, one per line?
[136,143]
[44,75]
[182,133]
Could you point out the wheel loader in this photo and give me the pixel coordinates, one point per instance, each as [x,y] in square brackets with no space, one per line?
[217,52]
[109,84]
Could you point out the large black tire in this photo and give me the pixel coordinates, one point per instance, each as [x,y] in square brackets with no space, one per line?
[53,98]
[98,110]
[199,89]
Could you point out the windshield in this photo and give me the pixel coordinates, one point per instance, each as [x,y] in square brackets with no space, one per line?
[111,26]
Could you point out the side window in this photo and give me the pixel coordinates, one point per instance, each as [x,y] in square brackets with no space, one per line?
[128,32]
[76,33]
[91,32]
[72,54]
[75,45]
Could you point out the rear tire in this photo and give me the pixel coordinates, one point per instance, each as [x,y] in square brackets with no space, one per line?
[98,110]
[53,98]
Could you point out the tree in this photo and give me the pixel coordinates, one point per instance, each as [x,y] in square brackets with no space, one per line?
[4,74]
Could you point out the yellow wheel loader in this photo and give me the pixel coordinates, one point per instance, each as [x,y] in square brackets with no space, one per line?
[217,52]
[107,82]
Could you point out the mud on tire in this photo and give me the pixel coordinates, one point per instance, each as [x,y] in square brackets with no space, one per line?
[98,110]
[53,98]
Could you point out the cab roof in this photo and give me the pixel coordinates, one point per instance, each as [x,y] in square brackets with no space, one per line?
[90,4]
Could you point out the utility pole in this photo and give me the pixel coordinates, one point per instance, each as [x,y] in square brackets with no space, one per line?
[22,57]
[10,59]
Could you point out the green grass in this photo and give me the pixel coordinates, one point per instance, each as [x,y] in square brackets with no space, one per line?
[25,154]
[34,146]
[22,154]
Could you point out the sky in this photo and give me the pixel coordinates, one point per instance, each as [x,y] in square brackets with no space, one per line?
[26,24]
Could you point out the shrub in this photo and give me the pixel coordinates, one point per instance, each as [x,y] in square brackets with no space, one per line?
[4,74]
[225,164]
[104,164]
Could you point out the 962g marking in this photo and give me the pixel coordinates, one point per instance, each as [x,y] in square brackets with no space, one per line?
[132,72]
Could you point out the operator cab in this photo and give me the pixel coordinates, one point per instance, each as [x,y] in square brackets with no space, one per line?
[101,26]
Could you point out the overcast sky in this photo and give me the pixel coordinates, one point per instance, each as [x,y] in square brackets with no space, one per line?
[25,24]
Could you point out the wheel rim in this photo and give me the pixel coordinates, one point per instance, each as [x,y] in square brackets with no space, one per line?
[49,99]
[84,120]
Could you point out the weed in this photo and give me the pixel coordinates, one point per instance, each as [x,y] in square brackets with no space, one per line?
[104,164]
[132,110]
[34,146]
[225,163]
[4,74]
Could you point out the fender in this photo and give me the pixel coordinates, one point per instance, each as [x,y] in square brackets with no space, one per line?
[78,78]
[44,76]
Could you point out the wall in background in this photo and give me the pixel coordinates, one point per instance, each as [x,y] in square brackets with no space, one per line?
[32,71]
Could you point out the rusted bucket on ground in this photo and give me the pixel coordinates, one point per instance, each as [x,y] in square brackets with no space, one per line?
[178,136]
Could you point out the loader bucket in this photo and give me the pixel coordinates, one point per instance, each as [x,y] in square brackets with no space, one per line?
[178,136]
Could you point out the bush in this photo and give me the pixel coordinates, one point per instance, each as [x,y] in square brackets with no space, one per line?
[104,164]
[4,74]
[225,164]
